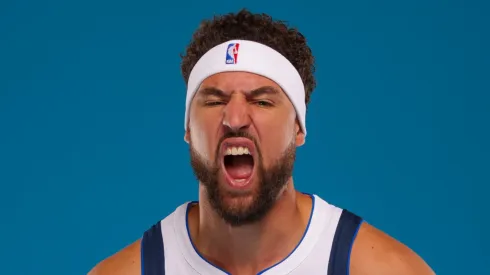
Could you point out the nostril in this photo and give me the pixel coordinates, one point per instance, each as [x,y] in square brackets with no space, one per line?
[236,127]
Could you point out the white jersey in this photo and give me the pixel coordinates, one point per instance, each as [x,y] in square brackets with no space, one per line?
[166,247]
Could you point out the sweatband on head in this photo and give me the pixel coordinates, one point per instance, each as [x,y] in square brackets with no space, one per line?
[252,57]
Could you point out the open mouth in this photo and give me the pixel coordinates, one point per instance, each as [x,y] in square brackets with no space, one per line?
[238,163]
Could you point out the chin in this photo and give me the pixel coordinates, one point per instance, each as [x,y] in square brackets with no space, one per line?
[238,204]
[238,200]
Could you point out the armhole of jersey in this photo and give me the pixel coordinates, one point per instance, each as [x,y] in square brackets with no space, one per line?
[345,235]
[152,252]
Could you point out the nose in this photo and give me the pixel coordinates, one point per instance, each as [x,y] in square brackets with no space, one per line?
[237,114]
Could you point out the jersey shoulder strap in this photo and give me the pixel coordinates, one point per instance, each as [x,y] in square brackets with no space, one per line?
[152,251]
[345,235]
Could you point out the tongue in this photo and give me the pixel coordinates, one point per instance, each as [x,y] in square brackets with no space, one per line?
[240,167]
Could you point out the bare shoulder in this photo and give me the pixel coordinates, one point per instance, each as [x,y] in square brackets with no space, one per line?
[376,253]
[127,261]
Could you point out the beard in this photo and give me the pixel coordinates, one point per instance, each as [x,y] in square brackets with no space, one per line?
[238,209]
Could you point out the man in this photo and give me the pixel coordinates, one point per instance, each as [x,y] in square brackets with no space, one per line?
[249,79]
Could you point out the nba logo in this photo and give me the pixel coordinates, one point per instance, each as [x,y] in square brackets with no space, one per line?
[232,53]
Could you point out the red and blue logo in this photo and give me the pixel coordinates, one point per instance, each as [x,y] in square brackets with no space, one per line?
[232,53]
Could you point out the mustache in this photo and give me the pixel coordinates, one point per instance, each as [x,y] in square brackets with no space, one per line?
[236,134]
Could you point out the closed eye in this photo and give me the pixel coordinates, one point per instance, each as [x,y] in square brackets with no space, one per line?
[263,103]
[213,103]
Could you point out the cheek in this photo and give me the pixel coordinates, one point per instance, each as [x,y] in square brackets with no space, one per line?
[276,134]
[202,137]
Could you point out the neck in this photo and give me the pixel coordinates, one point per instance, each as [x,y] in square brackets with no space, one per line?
[248,249]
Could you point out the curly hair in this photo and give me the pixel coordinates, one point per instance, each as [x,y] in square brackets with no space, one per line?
[260,28]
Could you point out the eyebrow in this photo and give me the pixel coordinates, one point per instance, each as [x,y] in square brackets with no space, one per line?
[265,90]
[211,91]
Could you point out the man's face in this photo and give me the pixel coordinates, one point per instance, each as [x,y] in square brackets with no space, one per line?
[243,135]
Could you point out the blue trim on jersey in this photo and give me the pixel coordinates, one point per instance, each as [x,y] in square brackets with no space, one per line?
[347,228]
[261,272]
[152,251]
[142,257]
[302,238]
[190,239]
[351,245]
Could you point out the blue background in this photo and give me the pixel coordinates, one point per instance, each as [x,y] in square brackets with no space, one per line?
[92,108]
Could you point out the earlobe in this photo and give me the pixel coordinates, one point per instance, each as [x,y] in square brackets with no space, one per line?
[300,136]
[187,136]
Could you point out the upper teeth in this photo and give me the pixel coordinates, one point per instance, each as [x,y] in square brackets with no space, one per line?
[237,151]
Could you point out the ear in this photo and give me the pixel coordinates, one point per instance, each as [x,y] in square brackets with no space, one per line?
[187,136]
[300,136]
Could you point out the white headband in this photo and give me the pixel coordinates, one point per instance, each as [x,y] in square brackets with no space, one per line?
[252,57]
